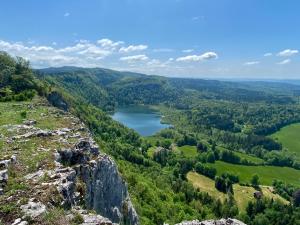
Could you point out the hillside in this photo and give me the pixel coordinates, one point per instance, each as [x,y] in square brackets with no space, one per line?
[48,155]
[215,124]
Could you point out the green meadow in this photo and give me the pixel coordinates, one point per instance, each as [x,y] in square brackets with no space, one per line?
[188,151]
[289,137]
[266,173]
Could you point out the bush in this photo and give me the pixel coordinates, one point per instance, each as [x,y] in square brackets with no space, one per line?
[23,114]
[205,170]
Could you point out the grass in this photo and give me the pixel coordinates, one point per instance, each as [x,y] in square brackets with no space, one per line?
[289,137]
[32,153]
[189,151]
[242,194]
[266,173]
[250,158]
[205,184]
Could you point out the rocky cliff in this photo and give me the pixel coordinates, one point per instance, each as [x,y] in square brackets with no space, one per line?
[105,190]
[49,160]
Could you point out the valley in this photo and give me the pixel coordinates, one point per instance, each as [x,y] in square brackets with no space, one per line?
[224,145]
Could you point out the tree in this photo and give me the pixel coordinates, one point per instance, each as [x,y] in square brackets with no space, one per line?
[220,184]
[201,147]
[210,157]
[261,219]
[250,209]
[296,198]
[255,180]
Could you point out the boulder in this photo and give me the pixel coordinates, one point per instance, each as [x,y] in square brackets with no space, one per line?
[29,122]
[92,219]
[3,177]
[20,222]
[87,145]
[33,209]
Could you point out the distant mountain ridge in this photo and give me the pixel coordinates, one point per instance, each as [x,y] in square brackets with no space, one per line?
[108,88]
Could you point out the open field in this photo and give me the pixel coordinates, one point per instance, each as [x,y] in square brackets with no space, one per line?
[188,151]
[242,194]
[205,184]
[266,173]
[289,136]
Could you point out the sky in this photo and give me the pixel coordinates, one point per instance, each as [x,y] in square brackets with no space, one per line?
[240,39]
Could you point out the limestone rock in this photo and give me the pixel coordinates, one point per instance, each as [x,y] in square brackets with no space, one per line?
[93,219]
[213,222]
[20,222]
[107,192]
[3,177]
[33,209]
[29,122]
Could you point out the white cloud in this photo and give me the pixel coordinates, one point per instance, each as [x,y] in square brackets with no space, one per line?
[284,62]
[132,48]
[109,44]
[67,14]
[268,54]
[195,18]
[54,43]
[83,53]
[288,52]
[251,63]
[187,50]
[197,58]
[134,58]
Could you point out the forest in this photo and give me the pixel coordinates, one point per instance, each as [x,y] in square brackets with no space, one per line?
[227,122]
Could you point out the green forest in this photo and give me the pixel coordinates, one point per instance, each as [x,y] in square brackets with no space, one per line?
[232,134]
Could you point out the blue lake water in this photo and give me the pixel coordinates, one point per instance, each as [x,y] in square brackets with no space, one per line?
[140,118]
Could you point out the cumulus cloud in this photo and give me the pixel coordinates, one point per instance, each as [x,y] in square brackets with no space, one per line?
[67,14]
[132,48]
[288,52]
[187,50]
[268,54]
[284,62]
[83,53]
[109,44]
[197,58]
[251,63]
[134,58]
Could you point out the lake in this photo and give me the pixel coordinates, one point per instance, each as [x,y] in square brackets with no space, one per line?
[140,118]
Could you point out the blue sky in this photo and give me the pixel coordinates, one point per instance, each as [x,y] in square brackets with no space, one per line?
[192,38]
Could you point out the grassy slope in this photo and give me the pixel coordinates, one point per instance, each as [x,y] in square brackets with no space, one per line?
[205,184]
[188,151]
[32,154]
[266,173]
[242,194]
[289,136]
